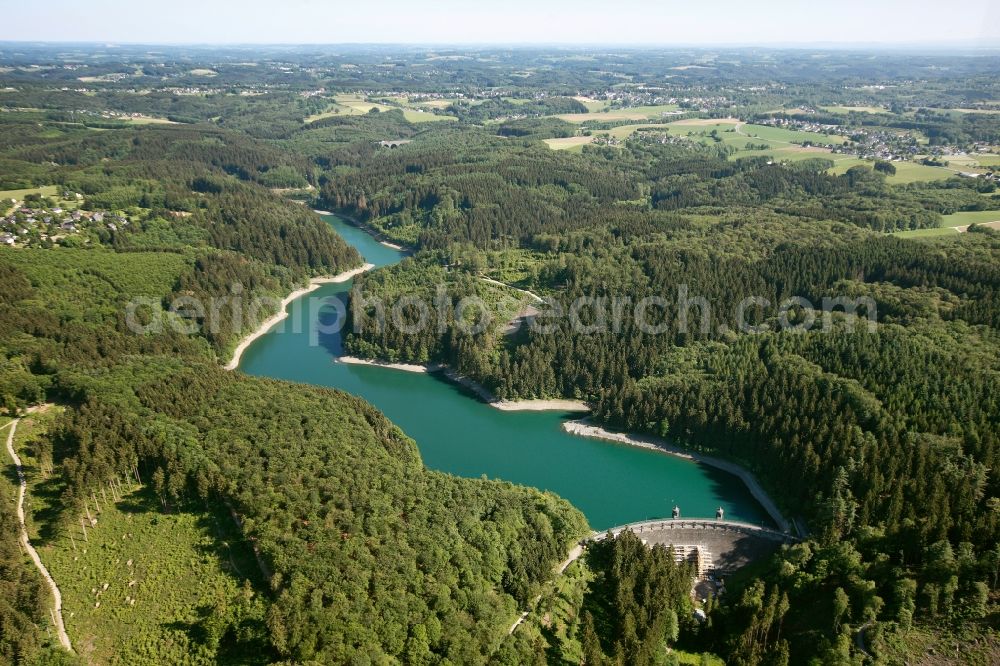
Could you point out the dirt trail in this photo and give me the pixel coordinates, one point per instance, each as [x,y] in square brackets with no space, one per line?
[532,295]
[573,555]
[22,488]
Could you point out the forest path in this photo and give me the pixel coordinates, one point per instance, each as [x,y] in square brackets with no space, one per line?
[572,556]
[535,297]
[22,489]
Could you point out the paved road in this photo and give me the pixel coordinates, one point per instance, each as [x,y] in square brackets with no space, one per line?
[23,486]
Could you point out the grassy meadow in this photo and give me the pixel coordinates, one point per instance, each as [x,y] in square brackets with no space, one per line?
[45,191]
[927,233]
[849,109]
[354,105]
[593,105]
[139,588]
[571,143]
[970,217]
[631,113]
[906,172]
[783,145]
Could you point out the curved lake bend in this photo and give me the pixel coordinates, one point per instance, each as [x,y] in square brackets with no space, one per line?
[611,483]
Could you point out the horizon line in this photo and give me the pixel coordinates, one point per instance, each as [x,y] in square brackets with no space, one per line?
[797,45]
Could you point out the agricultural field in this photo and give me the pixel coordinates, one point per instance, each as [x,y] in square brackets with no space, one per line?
[593,105]
[418,116]
[927,233]
[45,191]
[974,110]
[358,104]
[432,103]
[849,109]
[569,142]
[912,172]
[781,136]
[353,105]
[623,131]
[783,144]
[148,120]
[53,192]
[974,161]
[970,217]
[632,113]
[906,172]
[957,223]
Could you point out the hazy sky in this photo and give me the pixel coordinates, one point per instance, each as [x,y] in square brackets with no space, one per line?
[912,22]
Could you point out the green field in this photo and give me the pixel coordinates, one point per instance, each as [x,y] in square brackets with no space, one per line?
[906,172]
[784,144]
[977,160]
[975,110]
[623,131]
[572,143]
[415,116]
[51,191]
[911,172]
[593,105]
[39,503]
[142,585]
[352,105]
[926,233]
[147,120]
[848,109]
[631,113]
[435,103]
[970,217]
[139,588]
[781,136]
[950,223]
[45,191]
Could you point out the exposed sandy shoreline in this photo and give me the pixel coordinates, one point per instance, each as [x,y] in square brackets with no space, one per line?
[405,367]
[584,428]
[556,405]
[282,313]
[541,405]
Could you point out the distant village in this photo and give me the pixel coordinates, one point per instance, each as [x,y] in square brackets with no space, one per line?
[879,143]
[29,223]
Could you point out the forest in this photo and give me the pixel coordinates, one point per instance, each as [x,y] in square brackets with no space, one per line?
[881,443]
[433,566]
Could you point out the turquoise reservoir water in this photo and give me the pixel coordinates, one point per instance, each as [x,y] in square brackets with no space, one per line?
[611,483]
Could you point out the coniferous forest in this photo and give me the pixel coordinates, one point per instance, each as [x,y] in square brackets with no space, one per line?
[847,180]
